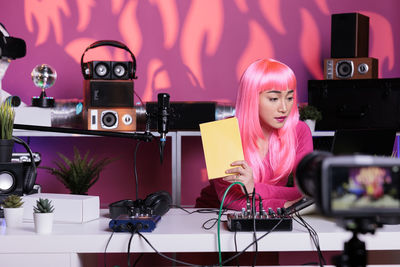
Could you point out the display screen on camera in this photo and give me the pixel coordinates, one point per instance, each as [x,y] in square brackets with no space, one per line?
[367,188]
[360,186]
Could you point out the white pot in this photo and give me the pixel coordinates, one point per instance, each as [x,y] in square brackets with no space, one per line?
[13,217]
[43,222]
[311,124]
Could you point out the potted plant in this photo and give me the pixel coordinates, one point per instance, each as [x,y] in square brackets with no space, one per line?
[13,211]
[310,115]
[7,115]
[43,216]
[80,173]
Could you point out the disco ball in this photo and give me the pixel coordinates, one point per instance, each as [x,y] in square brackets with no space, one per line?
[44,76]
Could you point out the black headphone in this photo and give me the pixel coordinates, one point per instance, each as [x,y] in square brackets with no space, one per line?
[157,203]
[11,47]
[85,67]
[30,171]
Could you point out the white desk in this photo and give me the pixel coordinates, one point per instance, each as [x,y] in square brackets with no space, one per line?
[69,244]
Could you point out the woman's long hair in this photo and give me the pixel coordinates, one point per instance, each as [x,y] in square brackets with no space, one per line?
[264,75]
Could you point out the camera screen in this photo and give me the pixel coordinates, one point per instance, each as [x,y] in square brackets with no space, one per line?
[365,188]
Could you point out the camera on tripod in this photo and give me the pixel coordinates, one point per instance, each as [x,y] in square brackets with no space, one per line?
[361,191]
[358,186]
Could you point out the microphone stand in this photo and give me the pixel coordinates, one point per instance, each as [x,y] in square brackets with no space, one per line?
[146,136]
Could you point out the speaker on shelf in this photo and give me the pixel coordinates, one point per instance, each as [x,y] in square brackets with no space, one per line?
[109,70]
[18,177]
[107,93]
[349,35]
[111,119]
[350,68]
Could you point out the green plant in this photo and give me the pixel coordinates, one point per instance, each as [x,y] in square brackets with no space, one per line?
[308,112]
[13,201]
[80,173]
[7,115]
[43,205]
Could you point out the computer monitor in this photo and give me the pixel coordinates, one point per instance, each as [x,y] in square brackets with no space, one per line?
[378,142]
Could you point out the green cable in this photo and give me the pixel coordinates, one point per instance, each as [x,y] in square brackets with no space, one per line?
[219,220]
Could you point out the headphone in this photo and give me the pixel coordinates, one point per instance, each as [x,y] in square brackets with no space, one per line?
[86,69]
[157,203]
[11,47]
[30,171]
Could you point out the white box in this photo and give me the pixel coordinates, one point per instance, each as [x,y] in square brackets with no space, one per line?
[33,116]
[68,208]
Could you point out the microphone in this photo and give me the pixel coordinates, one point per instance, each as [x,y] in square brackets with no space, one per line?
[162,126]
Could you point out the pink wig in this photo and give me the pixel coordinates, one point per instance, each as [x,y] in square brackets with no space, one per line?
[260,76]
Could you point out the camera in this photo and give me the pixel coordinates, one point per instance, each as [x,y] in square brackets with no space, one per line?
[357,186]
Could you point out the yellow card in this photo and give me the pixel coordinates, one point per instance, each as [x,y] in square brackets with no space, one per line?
[222,145]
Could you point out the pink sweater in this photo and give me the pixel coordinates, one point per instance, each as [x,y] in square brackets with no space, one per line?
[273,196]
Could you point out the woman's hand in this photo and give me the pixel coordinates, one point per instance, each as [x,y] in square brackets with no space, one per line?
[241,173]
[291,202]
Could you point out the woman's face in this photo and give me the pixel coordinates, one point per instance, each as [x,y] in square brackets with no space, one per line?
[274,108]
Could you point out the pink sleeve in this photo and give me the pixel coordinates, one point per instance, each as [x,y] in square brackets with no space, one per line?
[273,196]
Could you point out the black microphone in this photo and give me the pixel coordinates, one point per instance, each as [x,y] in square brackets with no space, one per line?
[162,126]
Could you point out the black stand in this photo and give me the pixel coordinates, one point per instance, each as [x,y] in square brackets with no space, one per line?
[354,253]
[43,101]
[145,136]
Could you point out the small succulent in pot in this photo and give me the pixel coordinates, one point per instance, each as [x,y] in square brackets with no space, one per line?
[13,201]
[43,205]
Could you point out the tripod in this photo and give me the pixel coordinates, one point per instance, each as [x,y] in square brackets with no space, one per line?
[354,253]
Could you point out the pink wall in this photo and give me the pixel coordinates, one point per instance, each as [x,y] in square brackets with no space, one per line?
[193,50]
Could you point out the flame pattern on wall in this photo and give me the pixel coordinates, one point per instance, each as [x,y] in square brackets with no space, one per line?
[194,50]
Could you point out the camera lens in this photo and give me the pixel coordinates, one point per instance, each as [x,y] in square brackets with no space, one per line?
[344,69]
[109,119]
[101,69]
[308,173]
[119,70]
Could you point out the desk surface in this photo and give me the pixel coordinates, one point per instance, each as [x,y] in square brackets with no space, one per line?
[181,232]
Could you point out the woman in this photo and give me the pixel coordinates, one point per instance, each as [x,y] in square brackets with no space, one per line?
[273,138]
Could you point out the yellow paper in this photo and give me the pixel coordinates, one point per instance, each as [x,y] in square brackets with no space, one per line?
[222,145]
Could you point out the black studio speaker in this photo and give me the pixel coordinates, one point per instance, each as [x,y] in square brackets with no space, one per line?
[187,115]
[108,93]
[17,177]
[356,104]
[108,70]
[12,177]
[349,35]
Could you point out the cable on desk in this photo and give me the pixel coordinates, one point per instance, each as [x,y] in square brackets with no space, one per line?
[135,169]
[105,249]
[220,214]
[163,255]
[313,235]
[133,232]
[223,212]
[236,250]
[200,210]
[252,243]
[137,260]
[253,208]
